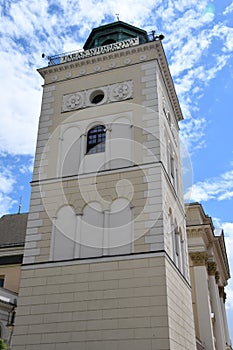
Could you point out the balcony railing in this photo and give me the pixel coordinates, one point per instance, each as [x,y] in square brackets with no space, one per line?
[81,54]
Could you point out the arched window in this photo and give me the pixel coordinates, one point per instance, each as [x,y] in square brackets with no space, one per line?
[96,139]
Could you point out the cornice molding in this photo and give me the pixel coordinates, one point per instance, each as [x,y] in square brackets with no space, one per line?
[211,268]
[194,232]
[199,258]
[217,277]
[109,57]
[221,291]
[222,256]
[101,58]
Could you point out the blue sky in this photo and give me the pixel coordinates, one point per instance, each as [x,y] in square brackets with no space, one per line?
[199,47]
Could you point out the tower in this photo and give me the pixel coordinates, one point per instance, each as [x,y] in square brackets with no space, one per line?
[105,262]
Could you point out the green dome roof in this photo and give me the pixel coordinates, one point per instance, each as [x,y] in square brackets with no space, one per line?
[113,32]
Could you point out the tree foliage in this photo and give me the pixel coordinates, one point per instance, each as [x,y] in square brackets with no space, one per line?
[2,344]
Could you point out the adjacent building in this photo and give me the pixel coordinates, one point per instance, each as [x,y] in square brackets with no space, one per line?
[209,271]
[12,238]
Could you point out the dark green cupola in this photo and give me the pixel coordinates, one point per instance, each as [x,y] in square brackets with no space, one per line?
[114,32]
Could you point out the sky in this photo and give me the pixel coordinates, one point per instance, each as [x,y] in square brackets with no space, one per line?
[199,47]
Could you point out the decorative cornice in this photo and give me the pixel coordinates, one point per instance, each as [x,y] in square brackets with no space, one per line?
[141,50]
[201,230]
[169,81]
[224,297]
[199,258]
[221,291]
[211,268]
[100,58]
[217,276]
[219,244]
[194,232]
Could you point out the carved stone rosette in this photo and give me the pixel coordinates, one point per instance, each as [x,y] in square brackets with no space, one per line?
[74,101]
[121,92]
[110,93]
[199,259]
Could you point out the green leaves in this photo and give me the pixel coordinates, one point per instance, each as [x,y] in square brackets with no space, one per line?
[2,345]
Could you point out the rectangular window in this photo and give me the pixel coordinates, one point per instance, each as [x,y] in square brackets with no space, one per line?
[172,167]
[2,279]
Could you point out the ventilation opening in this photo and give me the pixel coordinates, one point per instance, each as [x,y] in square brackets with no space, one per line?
[97,96]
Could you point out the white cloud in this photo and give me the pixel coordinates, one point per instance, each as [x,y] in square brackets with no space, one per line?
[196,36]
[7,182]
[192,133]
[228,228]
[6,203]
[220,188]
[226,195]
[229,300]
[27,167]
[228,9]
[21,103]
[228,234]
[197,194]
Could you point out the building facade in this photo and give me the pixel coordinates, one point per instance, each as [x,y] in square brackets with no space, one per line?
[106,260]
[209,273]
[12,237]
[207,255]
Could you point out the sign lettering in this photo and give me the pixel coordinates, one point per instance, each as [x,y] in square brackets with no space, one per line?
[99,50]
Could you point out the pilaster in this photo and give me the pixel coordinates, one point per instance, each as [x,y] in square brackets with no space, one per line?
[222,296]
[202,301]
[216,307]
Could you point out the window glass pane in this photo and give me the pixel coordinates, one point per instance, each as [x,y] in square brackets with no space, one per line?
[2,281]
[96,139]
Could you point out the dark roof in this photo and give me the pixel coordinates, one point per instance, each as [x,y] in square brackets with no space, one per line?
[117,30]
[13,229]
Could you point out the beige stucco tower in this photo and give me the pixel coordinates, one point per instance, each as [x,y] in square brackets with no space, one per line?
[105,263]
